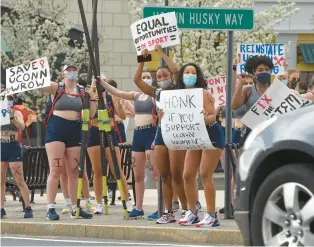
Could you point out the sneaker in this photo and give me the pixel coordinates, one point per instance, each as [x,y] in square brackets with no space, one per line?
[153,216]
[67,209]
[166,218]
[136,214]
[198,207]
[52,215]
[183,212]
[89,206]
[3,213]
[222,210]
[99,209]
[129,206]
[83,214]
[28,212]
[209,221]
[175,206]
[189,219]
[91,197]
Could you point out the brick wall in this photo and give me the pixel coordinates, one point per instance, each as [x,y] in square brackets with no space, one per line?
[114,22]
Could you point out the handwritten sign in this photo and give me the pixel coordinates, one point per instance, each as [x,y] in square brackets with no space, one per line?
[156,30]
[28,77]
[277,100]
[5,118]
[217,87]
[276,52]
[182,125]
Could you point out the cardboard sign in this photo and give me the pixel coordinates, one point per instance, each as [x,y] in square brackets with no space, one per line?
[5,118]
[28,77]
[155,30]
[182,125]
[277,100]
[276,52]
[217,87]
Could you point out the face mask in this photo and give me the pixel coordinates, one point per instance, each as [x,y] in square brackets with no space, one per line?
[284,82]
[71,75]
[263,78]
[294,83]
[149,81]
[189,80]
[164,84]
[10,103]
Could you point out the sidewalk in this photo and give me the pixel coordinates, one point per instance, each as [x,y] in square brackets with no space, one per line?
[113,226]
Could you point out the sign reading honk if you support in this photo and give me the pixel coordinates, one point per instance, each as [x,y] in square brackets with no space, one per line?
[156,30]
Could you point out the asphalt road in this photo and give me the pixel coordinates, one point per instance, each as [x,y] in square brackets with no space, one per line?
[60,241]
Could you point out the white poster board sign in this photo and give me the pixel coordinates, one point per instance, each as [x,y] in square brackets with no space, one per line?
[5,118]
[217,88]
[277,100]
[276,52]
[126,123]
[155,30]
[182,125]
[32,76]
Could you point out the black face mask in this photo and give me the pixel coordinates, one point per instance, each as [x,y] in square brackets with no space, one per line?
[293,83]
[263,78]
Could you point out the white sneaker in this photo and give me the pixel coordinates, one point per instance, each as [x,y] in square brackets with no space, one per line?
[67,209]
[189,219]
[99,209]
[129,206]
[209,221]
[166,218]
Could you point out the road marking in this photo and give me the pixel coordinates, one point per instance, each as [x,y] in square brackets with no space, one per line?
[97,242]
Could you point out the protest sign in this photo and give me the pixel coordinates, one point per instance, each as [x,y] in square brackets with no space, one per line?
[5,118]
[32,76]
[155,30]
[276,52]
[217,88]
[182,125]
[277,100]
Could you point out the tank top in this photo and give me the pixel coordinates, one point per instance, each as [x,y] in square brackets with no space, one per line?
[252,99]
[239,113]
[143,106]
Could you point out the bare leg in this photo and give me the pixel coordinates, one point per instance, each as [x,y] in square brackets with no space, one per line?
[4,166]
[139,160]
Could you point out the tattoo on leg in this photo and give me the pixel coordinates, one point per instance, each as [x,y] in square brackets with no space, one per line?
[58,162]
[78,164]
[16,171]
[149,163]
[133,162]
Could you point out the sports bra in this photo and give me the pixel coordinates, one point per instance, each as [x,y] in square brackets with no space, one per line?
[143,106]
[68,103]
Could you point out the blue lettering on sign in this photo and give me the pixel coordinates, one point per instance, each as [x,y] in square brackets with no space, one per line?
[266,49]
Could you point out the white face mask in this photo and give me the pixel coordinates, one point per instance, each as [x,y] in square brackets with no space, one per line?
[148,81]
[71,75]
[10,103]
[164,84]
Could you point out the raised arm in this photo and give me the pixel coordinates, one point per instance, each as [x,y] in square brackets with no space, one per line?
[147,89]
[172,66]
[116,92]
[240,95]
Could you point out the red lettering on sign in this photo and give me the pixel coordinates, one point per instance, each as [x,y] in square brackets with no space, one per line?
[278,60]
[265,99]
[222,100]
[158,41]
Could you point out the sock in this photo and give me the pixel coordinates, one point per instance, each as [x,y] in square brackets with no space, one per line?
[74,208]
[67,201]
[50,206]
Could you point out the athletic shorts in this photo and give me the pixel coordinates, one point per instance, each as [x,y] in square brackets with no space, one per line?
[216,135]
[11,152]
[143,138]
[62,130]
[236,134]
[159,141]
[120,133]
[94,140]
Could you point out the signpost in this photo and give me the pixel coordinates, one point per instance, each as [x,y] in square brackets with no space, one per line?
[207,18]
[214,19]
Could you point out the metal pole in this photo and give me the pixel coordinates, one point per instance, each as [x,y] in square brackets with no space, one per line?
[166,51]
[228,168]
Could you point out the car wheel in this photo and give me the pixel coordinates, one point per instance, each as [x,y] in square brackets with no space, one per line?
[283,209]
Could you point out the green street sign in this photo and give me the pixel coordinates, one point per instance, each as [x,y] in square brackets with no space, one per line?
[207,18]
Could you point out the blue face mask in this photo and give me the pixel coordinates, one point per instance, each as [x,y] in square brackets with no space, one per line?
[285,82]
[263,78]
[149,81]
[189,80]
[71,75]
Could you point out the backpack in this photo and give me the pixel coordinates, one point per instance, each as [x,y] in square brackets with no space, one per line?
[51,103]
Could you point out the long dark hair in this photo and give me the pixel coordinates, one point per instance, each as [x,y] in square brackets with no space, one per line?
[200,82]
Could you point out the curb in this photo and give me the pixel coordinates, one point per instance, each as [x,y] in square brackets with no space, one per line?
[131,233]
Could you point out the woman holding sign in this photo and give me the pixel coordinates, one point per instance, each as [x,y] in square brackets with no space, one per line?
[11,154]
[63,136]
[259,67]
[144,133]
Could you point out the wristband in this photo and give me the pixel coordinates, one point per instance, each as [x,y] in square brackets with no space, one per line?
[234,68]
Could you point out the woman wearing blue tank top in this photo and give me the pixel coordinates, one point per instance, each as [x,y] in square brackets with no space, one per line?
[11,156]
[63,137]
[259,67]
[144,133]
